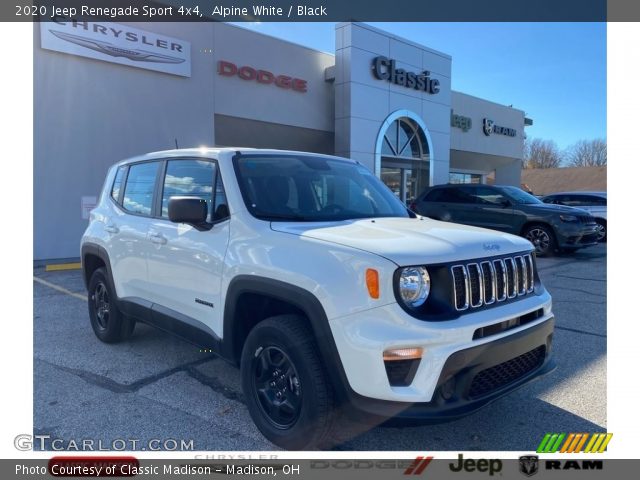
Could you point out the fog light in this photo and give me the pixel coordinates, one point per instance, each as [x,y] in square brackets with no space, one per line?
[448,388]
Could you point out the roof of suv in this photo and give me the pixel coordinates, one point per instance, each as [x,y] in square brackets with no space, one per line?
[599,194]
[215,151]
[458,185]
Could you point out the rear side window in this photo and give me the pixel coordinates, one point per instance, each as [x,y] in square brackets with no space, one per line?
[117,184]
[588,200]
[580,200]
[138,193]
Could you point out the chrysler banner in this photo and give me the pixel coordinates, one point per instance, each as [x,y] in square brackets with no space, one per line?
[112,42]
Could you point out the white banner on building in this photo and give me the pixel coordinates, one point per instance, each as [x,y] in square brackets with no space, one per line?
[112,42]
[86,205]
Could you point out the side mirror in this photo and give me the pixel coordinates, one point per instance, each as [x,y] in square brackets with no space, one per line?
[191,210]
[506,203]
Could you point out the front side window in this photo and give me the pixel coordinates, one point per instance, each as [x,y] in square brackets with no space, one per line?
[449,195]
[195,178]
[520,196]
[190,178]
[138,192]
[304,188]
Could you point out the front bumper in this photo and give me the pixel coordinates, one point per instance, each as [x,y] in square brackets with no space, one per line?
[576,236]
[450,352]
[465,368]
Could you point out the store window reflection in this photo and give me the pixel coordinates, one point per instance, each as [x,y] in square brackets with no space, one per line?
[458,177]
[405,159]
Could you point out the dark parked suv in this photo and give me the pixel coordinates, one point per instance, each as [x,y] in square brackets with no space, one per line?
[511,210]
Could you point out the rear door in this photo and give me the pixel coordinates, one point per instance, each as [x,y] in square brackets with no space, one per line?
[185,263]
[450,204]
[492,209]
[127,229]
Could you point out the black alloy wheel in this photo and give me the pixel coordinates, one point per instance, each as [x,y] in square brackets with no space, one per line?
[100,298]
[287,390]
[542,239]
[109,324]
[277,386]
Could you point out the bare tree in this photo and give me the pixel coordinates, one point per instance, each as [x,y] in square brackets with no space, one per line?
[587,153]
[539,153]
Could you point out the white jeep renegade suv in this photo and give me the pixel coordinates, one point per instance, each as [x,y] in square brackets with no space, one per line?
[311,275]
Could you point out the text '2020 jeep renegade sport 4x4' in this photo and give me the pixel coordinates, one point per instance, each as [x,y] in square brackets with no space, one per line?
[311,275]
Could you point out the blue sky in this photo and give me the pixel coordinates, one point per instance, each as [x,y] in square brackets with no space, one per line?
[555,72]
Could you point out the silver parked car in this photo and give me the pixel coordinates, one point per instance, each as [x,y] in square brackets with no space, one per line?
[593,202]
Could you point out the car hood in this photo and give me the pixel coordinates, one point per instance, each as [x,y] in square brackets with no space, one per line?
[547,208]
[410,241]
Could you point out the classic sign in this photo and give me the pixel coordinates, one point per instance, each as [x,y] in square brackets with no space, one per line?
[385,69]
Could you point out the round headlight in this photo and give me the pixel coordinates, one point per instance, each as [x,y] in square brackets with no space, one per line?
[414,286]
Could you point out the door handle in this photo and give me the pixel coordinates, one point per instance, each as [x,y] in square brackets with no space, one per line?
[111,228]
[157,238]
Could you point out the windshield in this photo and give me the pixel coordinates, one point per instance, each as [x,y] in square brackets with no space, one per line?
[520,196]
[307,189]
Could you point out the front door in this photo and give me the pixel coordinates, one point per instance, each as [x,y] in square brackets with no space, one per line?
[185,263]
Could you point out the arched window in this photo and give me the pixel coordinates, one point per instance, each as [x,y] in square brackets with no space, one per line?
[403,156]
[405,139]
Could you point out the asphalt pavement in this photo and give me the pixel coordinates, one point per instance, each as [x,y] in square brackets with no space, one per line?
[157,392]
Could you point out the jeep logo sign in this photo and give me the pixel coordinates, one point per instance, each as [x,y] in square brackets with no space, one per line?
[461,122]
[250,74]
[385,69]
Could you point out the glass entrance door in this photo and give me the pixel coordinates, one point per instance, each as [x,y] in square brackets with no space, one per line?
[392,177]
[405,161]
[405,180]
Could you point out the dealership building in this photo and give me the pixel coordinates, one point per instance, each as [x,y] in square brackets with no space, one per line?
[106,91]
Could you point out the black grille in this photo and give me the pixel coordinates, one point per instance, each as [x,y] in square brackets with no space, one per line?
[591,238]
[460,286]
[494,378]
[474,285]
[587,219]
[488,275]
[522,275]
[501,292]
[489,281]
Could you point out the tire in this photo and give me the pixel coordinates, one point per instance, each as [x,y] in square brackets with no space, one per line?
[542,238]
[108,322]
[301,416]
[602,230]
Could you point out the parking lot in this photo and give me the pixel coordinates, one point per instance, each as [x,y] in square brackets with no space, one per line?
[157,387]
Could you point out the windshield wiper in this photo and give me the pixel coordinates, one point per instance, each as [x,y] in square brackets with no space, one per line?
[275,216]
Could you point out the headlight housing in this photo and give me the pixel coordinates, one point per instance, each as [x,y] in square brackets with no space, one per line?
[568,218]
[414,286]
